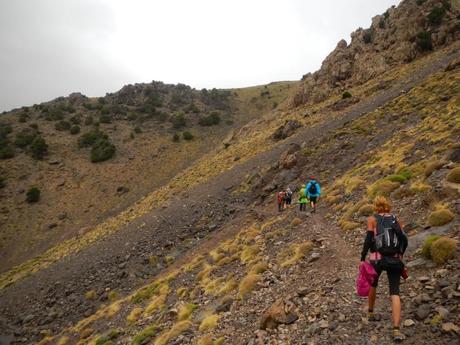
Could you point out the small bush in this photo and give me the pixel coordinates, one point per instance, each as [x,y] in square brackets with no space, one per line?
[105,118]
[209,322]
[91,295]
[366,210]
[178,121]
[145,335]
[383,187]
[33,195]
[248,284]
[176,330]
[424,42]
[454,175]
[443,249]
[25,137]
[132,116]
[6,152]
[186,311]
[210,120]
[367,36]
[2,182]
[259,267]
[134,315]
[348,225]
[102,150]
[75,129]
[89,138]
[436,14]
[426,248]
[187,135]
[75,120]
[34,126]
[433,166]
[176,137]
[137,130]
[397,178]
[440,217]
[382,23]
[346,94]
[62,125]
[5,130]
[38,148]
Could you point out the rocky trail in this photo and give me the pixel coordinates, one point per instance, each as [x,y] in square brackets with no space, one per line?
[53,298]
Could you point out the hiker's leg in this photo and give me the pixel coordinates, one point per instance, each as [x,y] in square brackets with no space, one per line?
[396,310]
[371,298]
[394,279]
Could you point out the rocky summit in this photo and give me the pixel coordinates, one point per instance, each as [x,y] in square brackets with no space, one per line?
[150,216]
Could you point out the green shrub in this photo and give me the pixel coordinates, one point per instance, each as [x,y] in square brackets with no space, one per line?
[426,248]
[420,2]
[176,137]
[105,119]
[210,120]
[382,23]
[102,150]
[132,116]
[6,152]
[38,148]
[440,217]
[75,129]
[62,125]
[436,14]
[101,100]
[25,137]
[23,118]
[2,182]
[383,187]
[33,195]
[5,130]
[137,129]
[187,135]
[424,42]
[75,120]
[192,108]
[346,94]
[454,175]
[34,126]
[367,36]
[443,249]
[366,210]
[89,138]
[397,178]
[178,121]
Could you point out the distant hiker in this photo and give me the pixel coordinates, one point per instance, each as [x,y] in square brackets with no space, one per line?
[387,244]
[313,192]
[281,198]
[303,198]
[288,196]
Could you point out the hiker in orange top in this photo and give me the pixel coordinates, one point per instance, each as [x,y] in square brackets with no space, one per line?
[281,197]
[387,244]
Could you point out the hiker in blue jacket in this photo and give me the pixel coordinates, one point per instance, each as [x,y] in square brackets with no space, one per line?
[313,192]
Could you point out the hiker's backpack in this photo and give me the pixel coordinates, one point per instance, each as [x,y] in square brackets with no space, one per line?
[313,189]
[386,239]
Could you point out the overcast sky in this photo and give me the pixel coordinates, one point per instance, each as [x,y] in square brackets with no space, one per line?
[50,48]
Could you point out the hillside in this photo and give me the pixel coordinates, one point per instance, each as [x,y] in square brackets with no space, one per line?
[140,121]
[205,258]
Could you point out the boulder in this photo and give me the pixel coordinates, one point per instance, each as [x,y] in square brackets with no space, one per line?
[281,312]
[286,130]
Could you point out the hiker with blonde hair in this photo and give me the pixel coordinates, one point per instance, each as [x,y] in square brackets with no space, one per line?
[387,243]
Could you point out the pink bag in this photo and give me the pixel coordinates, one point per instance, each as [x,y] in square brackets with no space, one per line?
[365,278]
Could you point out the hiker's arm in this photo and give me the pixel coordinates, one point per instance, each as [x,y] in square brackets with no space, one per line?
[319,189]
[367,244]
[402,237]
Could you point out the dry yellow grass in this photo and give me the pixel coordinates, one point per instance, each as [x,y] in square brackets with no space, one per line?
[443,249]
[454,175]
[249,253]
[295,252]
[259,267]
[229,286]
[134,315]
[177,329]
[248,284]
[182,292]
[185,311]
[440,217]
[91,295]
[209,322]
[157,303]
[296,222]
[366,210]
[206,340]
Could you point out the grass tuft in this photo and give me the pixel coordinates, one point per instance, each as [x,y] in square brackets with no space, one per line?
[440,217]
[295,252]
[177,329]
[91,295]
[259,267]
[443,249]
[209,322]
[426,248]
[145,335]
[296,221]
[134,315]
[248,284]
[186,311]
[454,175]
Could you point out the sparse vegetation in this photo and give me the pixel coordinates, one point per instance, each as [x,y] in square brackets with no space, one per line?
[210,120]
[454,175]
[295,252]
[33,195]
[426,248]
[424,42]
[209,322]
[366,210]
[105,118]
[177,329]
[75,129]
[346,95]
[178,121]
[367,36]
[145,335]
[62,125]
[248,284]
[259,267]
[432,167]
[187,135]
[296,221]
[89,138]
[91,295]
[383,187]
[440,217]
[25,137]
[38,148]
[436,14]
[186,311]
[102,150]
[134,315]
[443,249]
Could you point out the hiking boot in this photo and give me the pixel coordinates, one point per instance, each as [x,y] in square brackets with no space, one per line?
[397,335]
[371,316]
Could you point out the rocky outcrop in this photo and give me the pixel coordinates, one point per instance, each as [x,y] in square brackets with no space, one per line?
[396,37]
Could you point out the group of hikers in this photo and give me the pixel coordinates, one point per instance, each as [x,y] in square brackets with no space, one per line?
[308,193]
[385,241]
